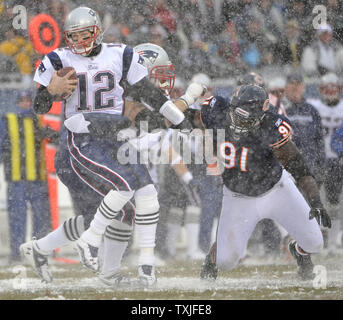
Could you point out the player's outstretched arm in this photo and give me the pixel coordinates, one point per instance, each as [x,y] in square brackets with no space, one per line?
[144,91]
[291,159]
[137,112]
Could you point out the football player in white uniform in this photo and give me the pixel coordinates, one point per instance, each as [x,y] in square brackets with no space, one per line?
[330,108]
[104,72]
[161,73]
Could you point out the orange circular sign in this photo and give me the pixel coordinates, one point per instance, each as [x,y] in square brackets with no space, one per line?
[44,33]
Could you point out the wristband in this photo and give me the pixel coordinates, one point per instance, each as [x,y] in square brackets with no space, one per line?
[170,111]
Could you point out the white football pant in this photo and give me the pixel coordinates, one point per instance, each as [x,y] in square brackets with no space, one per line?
[283,203]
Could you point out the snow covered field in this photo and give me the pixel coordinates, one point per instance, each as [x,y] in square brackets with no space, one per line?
[255,278]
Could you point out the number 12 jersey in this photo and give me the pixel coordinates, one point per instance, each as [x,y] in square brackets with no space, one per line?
[99,87]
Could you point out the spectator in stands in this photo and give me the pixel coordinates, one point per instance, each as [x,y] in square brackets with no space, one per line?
[106,10]
[139,26]
[112,34]
[237,11]
[276,91]
[324,55]
[211,21]
[301,11]
[195,57]
[270,18]
[334,17]
[6,19]
[21,151]
[158,35]
[257,49]
[164,15]
[306,124]
[189,18]
[59,9]
[290,47]
[20,50]
[228,59]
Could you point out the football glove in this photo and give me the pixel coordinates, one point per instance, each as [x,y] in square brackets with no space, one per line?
[322,217]
[193,92]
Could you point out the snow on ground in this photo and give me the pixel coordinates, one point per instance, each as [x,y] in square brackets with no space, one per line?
[255,278]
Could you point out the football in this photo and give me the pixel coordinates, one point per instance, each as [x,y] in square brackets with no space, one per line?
[61,73]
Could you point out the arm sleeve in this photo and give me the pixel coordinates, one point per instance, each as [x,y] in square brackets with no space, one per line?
[155,121]
[44,72]
[136,71]
[280,133]
[43,101]
[145,92]
[213,112]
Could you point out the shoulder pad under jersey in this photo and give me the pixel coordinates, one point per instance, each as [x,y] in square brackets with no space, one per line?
[277,129]
[214,111]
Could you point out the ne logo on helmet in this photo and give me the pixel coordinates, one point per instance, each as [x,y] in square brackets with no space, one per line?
[149,54]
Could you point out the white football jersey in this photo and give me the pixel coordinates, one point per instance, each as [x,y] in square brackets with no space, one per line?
[332,118]
[99,77]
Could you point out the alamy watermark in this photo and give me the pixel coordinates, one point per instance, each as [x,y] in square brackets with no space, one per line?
[20,281]
[320,279]
[320,20]
[20,20]
[164,146]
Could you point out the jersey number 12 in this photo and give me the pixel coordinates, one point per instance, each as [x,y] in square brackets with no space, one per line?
[99,103]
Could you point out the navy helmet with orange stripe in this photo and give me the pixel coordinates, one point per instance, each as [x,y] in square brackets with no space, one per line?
[247,109]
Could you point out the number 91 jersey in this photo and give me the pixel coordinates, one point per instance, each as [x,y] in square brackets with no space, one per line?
[99,77]
[250,167]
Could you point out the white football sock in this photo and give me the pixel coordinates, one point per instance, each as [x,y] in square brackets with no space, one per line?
[53,240]
[69,231]
[112,203]
[112,255]
[146,218]
[146,257]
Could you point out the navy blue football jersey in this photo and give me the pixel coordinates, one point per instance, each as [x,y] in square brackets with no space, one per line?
[250,166]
